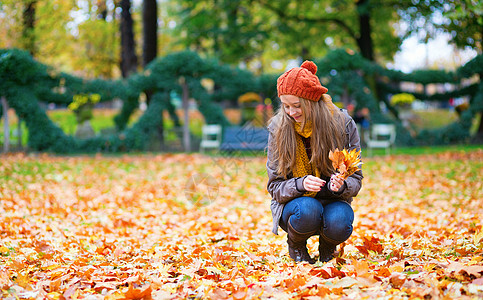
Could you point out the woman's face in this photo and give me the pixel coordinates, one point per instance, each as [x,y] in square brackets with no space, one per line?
[292,107]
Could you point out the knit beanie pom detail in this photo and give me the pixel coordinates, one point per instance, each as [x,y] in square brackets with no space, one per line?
[309,65]
[301,82]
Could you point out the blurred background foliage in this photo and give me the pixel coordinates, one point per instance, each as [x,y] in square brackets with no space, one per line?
[84,36]
[123,51]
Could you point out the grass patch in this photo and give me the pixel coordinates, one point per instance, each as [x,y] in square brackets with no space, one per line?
[437,118]
[425,150]
[104,119]
[431,119]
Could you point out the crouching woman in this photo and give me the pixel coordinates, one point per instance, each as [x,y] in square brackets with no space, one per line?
[307,197]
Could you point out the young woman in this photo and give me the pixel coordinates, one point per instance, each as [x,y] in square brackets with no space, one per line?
[307,198]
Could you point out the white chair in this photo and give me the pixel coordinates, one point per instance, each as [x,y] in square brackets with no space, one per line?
[210,137]
[380,136]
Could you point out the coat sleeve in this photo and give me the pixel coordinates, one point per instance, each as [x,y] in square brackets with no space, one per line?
[353,182]
[282,190]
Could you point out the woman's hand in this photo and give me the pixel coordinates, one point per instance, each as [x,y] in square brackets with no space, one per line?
[313,184]
[336,183]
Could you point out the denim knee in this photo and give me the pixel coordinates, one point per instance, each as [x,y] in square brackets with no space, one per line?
[337,218]
[304,214]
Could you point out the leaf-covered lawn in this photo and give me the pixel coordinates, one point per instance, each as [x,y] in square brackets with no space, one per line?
[190,226]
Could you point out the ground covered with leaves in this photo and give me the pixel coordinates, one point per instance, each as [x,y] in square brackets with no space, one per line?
[191,226]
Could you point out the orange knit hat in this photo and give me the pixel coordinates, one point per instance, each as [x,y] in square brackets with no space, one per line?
[301,82]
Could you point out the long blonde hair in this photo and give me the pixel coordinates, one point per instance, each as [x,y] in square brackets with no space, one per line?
[327,134]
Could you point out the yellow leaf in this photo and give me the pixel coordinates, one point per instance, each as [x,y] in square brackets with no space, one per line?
[476,260]
[4,250]
[477,237]
[54,295]
[345,162]
[23,281]
[396,268]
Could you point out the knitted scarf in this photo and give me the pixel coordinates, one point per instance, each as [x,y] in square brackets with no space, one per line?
[302,163]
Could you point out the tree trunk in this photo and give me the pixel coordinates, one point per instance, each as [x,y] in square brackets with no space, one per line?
[150,36]
[150,31]
[128,54]
[6,129]
[215,34]
[479,133]
[305,54]
[364,41]
[19,133]
[101,10]
[28,26]
[186,130]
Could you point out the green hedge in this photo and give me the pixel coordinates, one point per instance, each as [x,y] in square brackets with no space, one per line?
[347,72]
[26,82]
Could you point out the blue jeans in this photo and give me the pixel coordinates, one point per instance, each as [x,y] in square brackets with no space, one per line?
[332,221]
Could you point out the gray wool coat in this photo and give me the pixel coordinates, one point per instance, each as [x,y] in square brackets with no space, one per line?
[283,190]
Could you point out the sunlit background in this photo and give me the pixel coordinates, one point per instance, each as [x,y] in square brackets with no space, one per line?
[115,39]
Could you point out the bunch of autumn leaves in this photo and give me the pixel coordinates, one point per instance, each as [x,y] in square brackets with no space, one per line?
[345,162]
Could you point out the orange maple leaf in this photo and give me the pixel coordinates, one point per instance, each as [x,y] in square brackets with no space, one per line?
[345,162]
[337,158]
[143,293]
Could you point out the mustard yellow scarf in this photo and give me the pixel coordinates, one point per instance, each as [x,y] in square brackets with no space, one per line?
[302,163]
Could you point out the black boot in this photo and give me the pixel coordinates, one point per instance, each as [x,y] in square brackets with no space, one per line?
[297,245]
[326,250]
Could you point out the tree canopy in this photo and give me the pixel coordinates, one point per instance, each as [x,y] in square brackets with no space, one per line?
[85,36]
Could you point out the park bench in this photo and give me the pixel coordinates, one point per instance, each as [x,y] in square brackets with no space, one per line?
[380,136]
[210,137]
[246,138]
